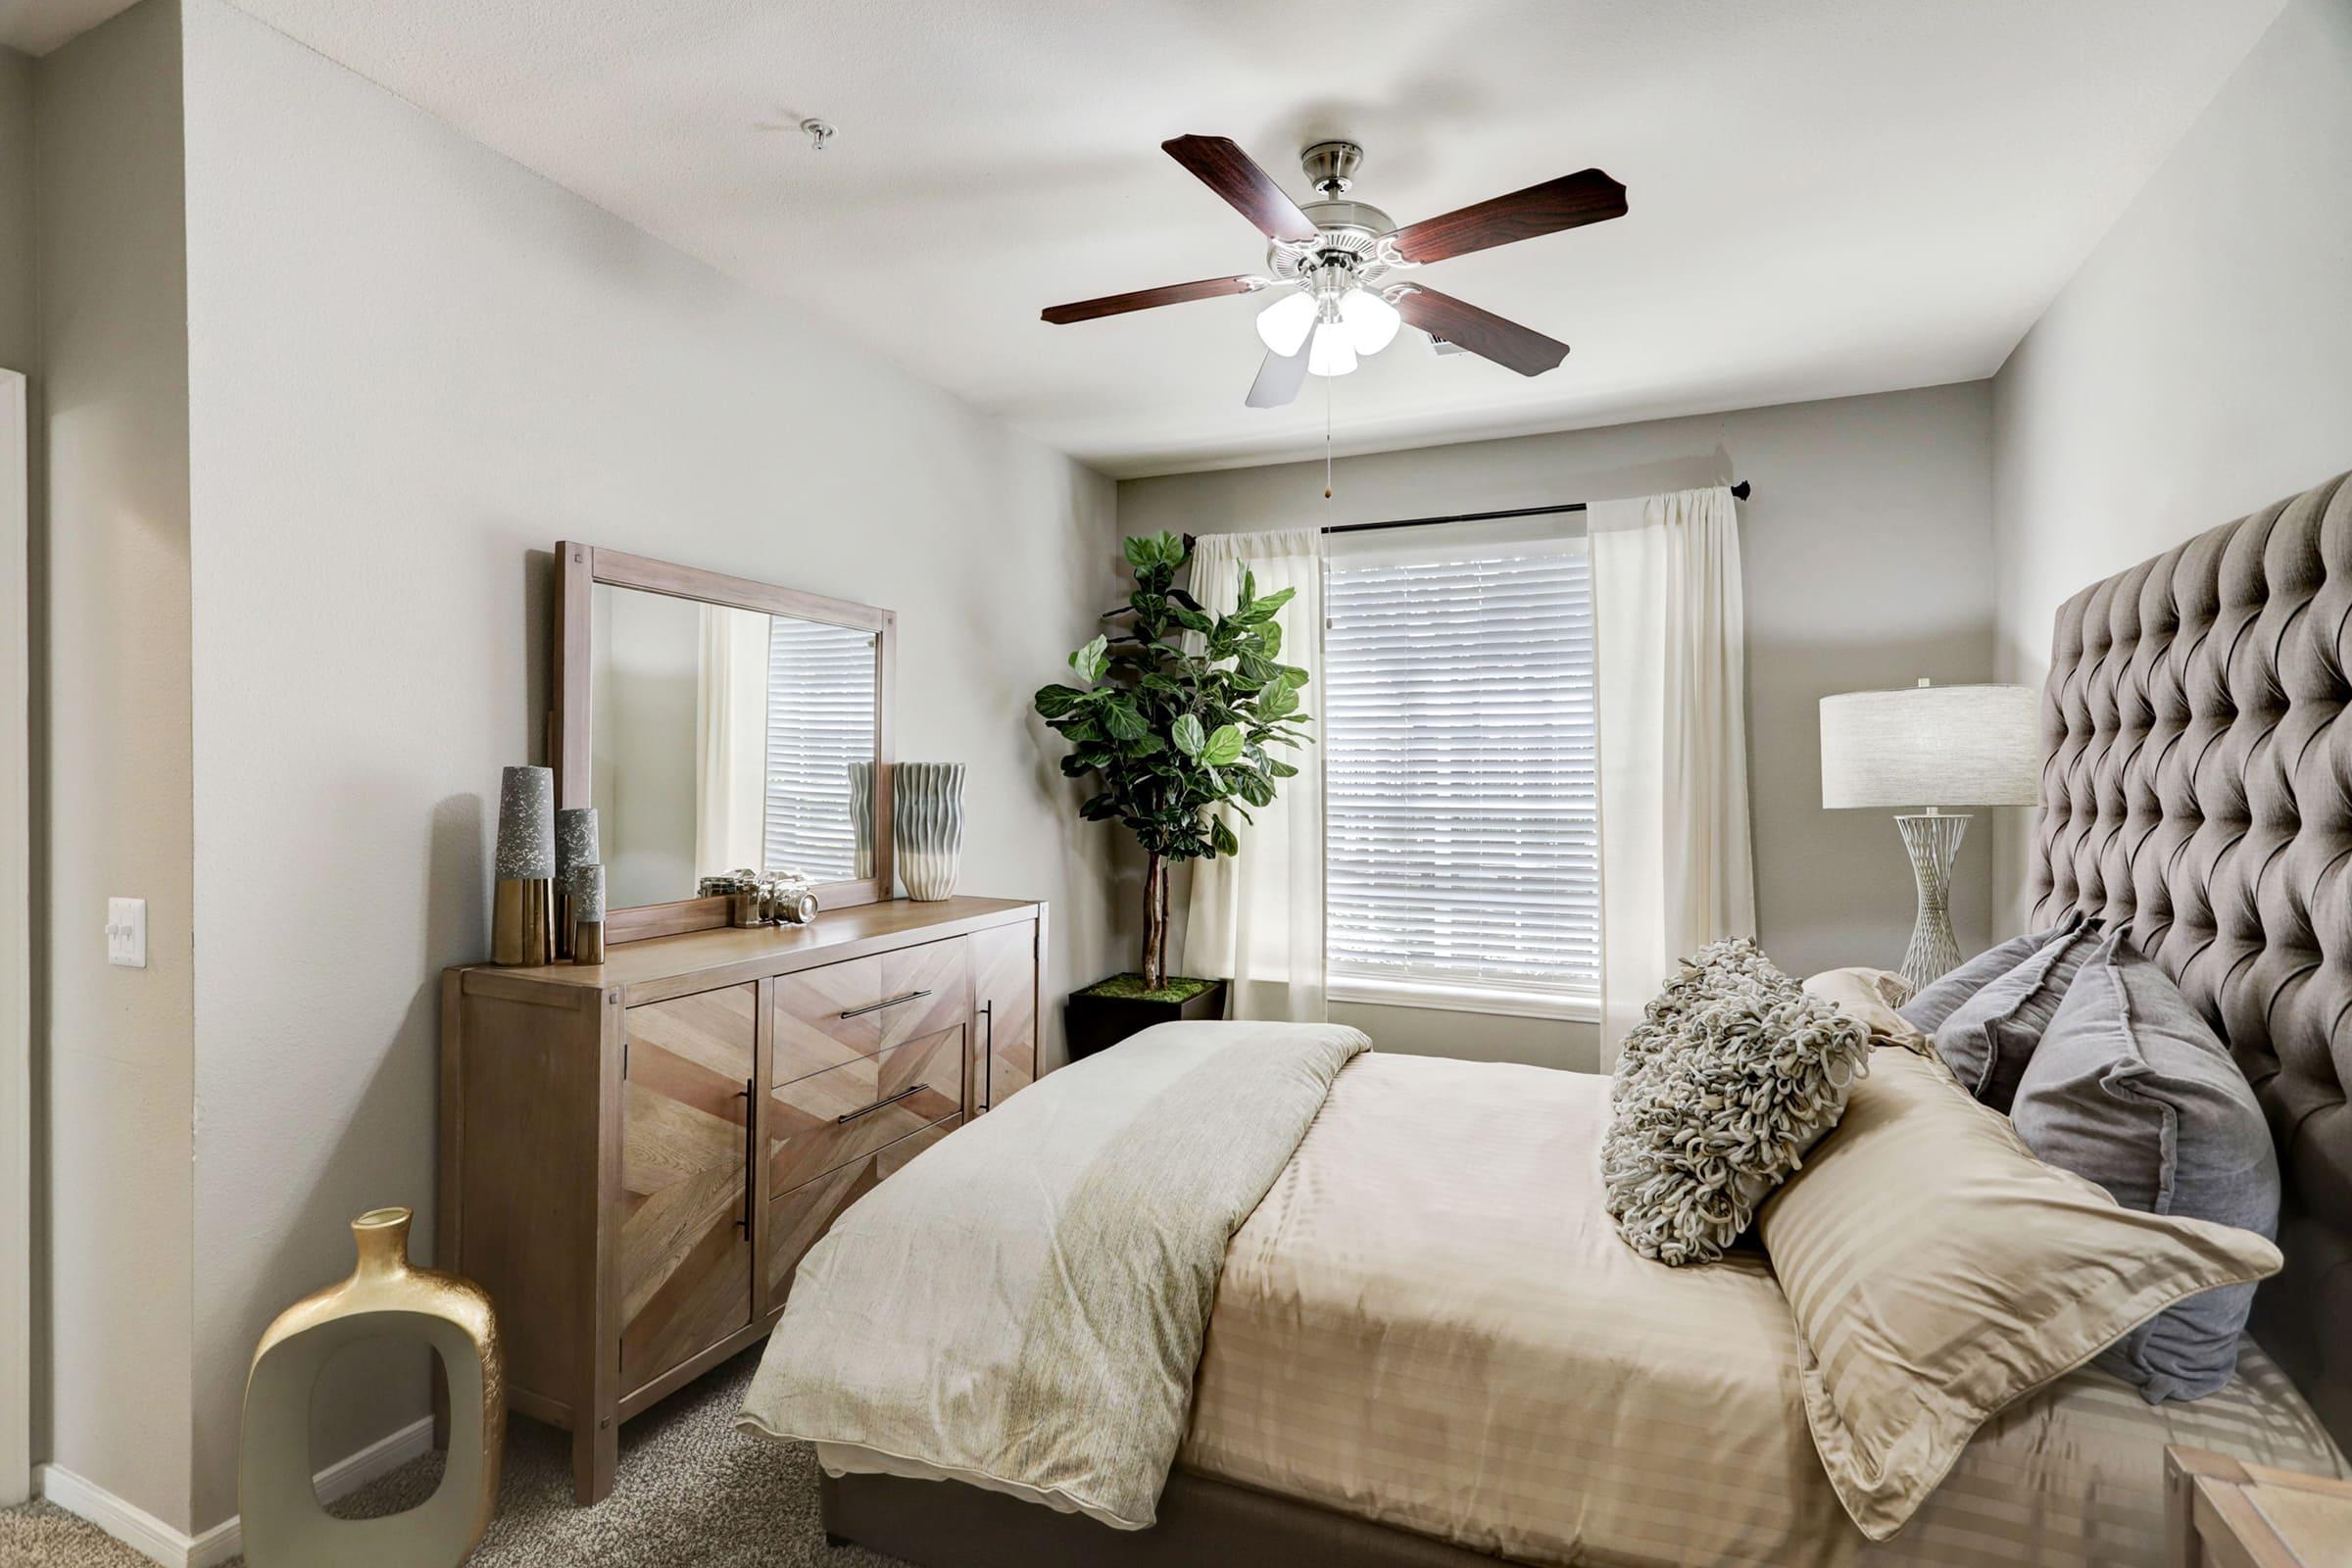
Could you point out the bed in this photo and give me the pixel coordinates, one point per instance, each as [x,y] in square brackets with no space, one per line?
[1427,1347]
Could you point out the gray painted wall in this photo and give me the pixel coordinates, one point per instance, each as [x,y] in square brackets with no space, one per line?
[2199,365]
[20,333]
[112,755]
[414,366]
[1865,557]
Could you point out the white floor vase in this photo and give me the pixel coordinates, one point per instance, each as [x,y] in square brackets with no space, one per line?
[927,826]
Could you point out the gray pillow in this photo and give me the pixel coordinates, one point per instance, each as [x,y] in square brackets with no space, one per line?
[2131,1089]
[1938,999]
[1732,1075]
[1989,1038]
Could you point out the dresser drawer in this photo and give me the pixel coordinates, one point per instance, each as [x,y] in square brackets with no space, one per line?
[827,1119]
[826,1017]
[925,990]
[797,1219]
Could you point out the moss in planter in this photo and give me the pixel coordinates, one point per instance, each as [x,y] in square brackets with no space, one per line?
[1176,988]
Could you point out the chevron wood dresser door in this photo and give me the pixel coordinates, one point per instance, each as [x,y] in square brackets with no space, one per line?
[685,1239]
[1005,999]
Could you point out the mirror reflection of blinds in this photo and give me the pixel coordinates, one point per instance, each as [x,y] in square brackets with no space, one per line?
[821,719]
[1463,830]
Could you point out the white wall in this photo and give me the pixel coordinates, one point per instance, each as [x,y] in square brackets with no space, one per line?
[413,367]
[113,734]
[1865,555]
[2199,365]
[20,332]
[20,335]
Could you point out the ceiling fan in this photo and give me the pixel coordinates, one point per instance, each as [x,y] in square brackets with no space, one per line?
[1341,257]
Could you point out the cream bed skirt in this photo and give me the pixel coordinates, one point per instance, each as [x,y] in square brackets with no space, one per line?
[1429,1322]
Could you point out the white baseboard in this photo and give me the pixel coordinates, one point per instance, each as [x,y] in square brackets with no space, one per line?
[149,1536]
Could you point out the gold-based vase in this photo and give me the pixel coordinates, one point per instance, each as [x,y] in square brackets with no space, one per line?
[284,1526]
[522,921]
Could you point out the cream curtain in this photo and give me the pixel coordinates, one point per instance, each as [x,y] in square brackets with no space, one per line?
[730,734]
[1676,868]
[1256,918]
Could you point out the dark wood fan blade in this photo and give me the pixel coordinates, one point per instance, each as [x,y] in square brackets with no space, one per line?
[1228,170]
[1143,299]
[1568,201]
[1280,377]
[1482,332]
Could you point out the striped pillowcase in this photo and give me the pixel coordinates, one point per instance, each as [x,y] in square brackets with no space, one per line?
[1938,1272]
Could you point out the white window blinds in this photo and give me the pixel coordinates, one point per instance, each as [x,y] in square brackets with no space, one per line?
[1463,843]
[821,719]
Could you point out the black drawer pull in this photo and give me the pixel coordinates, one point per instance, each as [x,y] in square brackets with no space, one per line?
[877,1006]
[751,1154]
[879,1104]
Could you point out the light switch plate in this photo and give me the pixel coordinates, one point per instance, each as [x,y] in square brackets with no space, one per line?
[126,932]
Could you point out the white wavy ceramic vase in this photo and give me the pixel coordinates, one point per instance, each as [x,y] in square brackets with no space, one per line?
[927,826]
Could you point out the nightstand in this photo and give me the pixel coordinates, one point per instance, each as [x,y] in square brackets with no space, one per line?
[2222,1513]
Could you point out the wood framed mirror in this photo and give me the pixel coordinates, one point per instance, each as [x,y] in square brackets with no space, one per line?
[719,723]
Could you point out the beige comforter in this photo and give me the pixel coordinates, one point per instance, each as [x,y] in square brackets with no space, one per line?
[1022,1307]
[1428,1321]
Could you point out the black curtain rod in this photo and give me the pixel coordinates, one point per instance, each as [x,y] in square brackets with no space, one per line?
[1740,491]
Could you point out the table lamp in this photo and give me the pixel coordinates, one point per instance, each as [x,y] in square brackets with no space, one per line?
[1931,747]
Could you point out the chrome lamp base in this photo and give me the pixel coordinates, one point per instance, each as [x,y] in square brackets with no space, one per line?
[1933,842]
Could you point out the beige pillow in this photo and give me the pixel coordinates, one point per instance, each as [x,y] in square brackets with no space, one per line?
[1871,996]
[1938,1271]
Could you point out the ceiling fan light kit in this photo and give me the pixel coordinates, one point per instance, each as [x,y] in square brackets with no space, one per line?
[1338,255]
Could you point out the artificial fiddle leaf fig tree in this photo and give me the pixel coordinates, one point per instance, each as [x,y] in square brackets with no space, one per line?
[1169,730]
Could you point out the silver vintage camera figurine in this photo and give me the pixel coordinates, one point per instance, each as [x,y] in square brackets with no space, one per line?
[773,897]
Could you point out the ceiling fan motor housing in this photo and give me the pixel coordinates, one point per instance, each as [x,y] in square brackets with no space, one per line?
[1346,248]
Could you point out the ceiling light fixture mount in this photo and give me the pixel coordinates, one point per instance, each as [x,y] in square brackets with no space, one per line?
[818,133]
[1338,254]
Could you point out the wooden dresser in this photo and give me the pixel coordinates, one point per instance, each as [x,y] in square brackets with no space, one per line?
[635,1154]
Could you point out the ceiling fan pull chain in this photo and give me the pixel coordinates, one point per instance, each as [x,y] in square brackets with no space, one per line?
[1328,395]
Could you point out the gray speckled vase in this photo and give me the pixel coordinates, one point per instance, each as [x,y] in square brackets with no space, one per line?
[927,826]
[576,848]
[526,824]
[522,911]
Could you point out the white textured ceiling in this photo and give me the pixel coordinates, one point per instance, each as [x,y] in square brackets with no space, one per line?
[36,27]
[1830,197]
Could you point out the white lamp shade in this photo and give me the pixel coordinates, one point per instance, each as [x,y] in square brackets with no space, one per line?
[1331,354]
[1370,320]
[1283,324]
[1932,745]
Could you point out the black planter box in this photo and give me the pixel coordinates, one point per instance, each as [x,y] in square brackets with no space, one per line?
[1097,1022]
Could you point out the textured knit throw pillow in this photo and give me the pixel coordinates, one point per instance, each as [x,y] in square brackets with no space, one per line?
[1732,1075]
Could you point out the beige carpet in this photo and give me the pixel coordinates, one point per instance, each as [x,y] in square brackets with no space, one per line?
[692,1491]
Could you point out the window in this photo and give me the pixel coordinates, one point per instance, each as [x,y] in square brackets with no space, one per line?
[1463,831]
[821,719]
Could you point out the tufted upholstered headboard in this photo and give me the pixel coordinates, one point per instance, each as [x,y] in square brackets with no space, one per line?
[2199,785]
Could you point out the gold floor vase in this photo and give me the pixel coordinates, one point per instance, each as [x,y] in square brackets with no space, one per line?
[284,1526]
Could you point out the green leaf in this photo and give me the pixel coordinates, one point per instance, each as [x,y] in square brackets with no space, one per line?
[1091,660]
[1252,786]
[1269,637]
[1276,768]
[1220,834]
[1142,549]
[1224,746]
[1249,586]
[1264,608]
[1123,722]
[1052,702]
[1191,620]
[1256,670]
[1277,701]
[1186,736]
